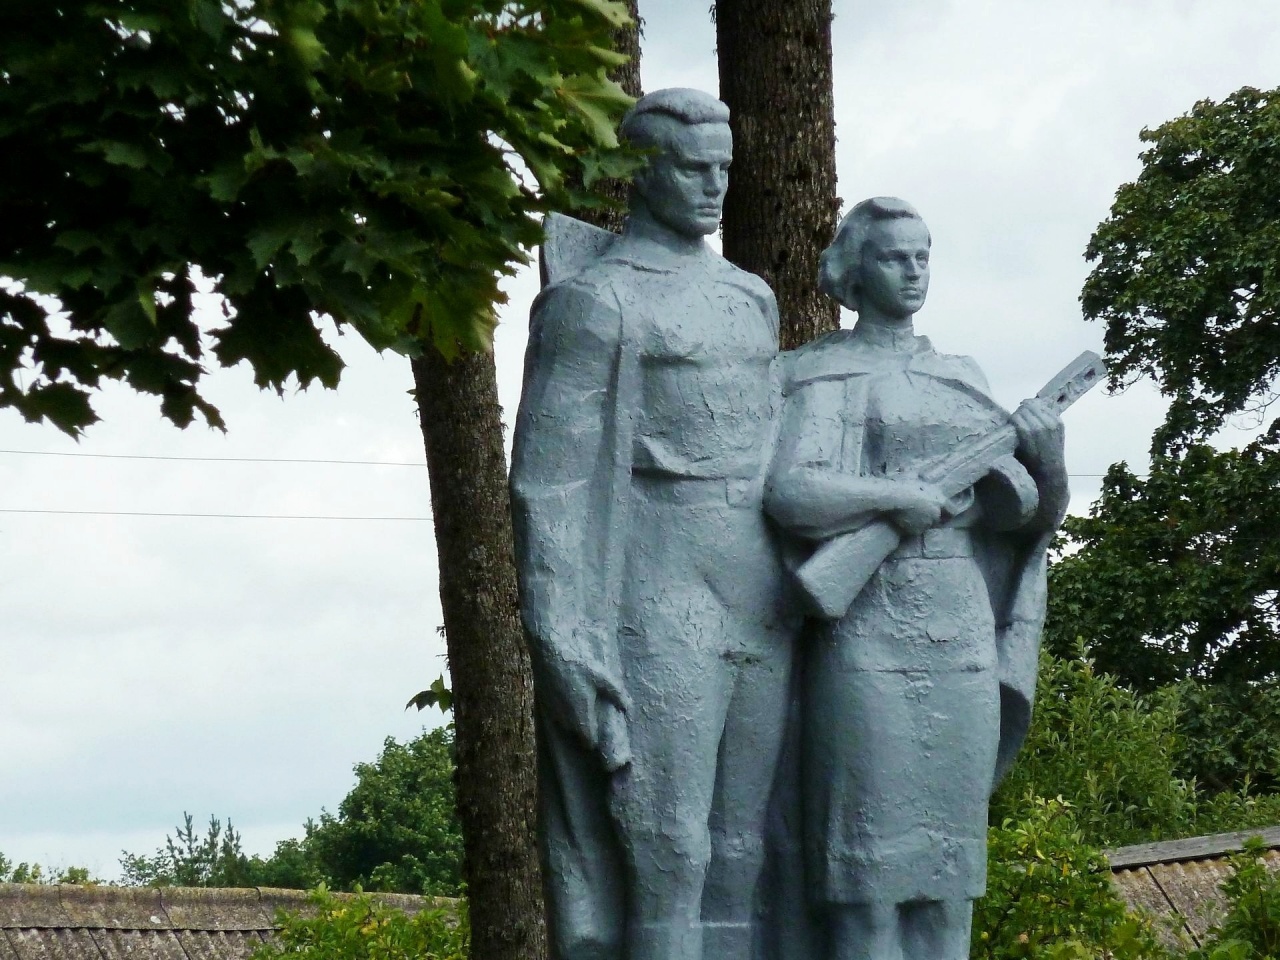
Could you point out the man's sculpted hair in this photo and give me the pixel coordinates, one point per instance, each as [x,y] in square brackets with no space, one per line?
[649,122]
[843,258]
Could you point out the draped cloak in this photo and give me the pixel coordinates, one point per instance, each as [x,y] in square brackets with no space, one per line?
[581,397]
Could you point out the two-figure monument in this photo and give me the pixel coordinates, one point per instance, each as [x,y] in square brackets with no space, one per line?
[707,531]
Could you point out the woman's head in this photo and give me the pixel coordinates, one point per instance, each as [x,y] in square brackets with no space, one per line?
[845,270]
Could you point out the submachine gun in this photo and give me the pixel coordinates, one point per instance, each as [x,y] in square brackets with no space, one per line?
[838,570]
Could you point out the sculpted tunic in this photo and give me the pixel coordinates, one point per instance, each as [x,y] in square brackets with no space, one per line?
[914,700]
[640,449]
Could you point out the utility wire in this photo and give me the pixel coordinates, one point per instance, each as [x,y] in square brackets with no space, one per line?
[359,463]
[139,456]
[221,516]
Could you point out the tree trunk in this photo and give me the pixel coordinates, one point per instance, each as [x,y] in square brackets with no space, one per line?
[625,40]
[488,660]
[775,75]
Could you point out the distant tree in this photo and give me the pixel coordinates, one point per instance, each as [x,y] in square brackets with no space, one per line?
[1187,266]
[190,860]
[1178,575]
[35,873]
[396,831]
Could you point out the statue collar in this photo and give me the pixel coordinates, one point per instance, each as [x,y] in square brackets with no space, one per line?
[898,339]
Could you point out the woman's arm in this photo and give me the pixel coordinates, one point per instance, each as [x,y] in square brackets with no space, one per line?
[807,493]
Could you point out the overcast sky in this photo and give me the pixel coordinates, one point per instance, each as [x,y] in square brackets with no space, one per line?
[240,666]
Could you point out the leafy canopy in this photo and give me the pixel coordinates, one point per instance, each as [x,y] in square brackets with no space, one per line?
[1187,274]
[1177,576]
[378,161]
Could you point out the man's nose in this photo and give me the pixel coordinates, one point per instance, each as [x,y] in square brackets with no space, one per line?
[715,182]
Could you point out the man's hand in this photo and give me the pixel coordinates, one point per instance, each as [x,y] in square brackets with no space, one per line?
[593,706]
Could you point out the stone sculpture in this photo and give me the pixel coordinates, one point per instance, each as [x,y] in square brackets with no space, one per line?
[651,586]
[916,692]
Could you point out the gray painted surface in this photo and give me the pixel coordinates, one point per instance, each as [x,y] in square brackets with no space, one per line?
[668,468]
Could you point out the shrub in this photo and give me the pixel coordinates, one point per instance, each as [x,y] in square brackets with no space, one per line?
[1251,928]
[359,928]
[1049,894]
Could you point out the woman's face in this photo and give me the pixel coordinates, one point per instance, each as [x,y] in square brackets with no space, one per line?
[893,277]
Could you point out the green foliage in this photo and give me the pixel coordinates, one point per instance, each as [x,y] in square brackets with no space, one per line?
[214,860]
[378,161]
[1114,755]
[1177,575]
[437,695]
[1106,750]
[358,928]
[396,831]
[35,873]
[1049,894]
[1187,275]
[1229,735]
[1251,928]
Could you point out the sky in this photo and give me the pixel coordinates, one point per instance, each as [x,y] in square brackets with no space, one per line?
[239,658]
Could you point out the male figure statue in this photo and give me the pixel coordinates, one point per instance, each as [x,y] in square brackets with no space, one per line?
[651,588]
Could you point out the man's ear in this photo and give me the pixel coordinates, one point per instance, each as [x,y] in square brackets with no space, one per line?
[640,179]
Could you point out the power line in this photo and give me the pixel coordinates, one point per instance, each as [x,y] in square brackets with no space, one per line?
[220,516]
[357,463]
[140,456]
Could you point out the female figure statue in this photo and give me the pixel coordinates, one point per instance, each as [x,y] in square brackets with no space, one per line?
[916,699]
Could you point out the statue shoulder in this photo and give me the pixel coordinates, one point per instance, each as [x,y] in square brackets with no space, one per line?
[584,303]
[837,355]
[955,366]
[752,285]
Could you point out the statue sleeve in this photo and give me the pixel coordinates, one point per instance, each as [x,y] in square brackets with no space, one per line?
[564,458]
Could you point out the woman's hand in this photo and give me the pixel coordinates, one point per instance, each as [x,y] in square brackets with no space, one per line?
[1040,437]
[920,507]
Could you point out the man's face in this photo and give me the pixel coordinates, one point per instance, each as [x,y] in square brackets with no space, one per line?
[894,274]
[684,185]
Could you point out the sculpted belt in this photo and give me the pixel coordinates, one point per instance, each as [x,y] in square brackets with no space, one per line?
[699,491]
[938,544]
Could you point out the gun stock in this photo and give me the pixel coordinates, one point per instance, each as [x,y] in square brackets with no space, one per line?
[838,570]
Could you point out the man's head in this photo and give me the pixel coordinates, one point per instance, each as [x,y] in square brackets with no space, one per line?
[879,259]
[684,183]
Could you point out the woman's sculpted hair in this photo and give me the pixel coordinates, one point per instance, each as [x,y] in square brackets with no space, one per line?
[840,261]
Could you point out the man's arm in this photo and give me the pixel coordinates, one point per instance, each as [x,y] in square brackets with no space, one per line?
[560,478]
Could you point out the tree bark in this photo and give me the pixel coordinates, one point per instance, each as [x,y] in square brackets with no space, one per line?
[780,212]
[488,660]
[625,40]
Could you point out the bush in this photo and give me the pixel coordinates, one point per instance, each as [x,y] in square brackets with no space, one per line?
[1049,894]
[1251,928]
[1108,751]
[358,928]
[1115,757]
[1229,735]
